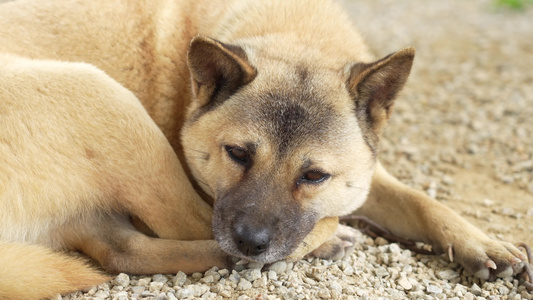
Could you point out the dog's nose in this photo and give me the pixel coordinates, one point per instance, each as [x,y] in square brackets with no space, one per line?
[251,242]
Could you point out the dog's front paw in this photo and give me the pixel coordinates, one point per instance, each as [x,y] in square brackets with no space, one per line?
[340,245]
[487,258]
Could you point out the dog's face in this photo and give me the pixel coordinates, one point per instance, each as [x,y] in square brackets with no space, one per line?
[280,145]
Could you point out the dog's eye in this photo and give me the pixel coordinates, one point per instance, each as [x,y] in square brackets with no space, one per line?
[314,177]
[239,155]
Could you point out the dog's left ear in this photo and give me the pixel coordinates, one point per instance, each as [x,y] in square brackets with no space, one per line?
[374,86]
[218,70]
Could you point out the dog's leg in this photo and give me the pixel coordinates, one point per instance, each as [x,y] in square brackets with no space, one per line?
[119,247]
[163,198]
[185,217]
[411,214]
[321,233]
[339,245]
[327,240]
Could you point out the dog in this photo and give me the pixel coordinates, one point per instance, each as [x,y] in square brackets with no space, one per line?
[263,128]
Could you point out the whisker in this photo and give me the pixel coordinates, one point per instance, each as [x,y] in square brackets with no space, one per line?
[199,181]
[196,150]
[202,157]
[351,185]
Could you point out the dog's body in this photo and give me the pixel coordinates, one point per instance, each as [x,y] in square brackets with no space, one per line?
[78,151]
[274,112]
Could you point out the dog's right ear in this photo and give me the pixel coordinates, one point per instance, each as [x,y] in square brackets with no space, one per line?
[375,85]
[218,70]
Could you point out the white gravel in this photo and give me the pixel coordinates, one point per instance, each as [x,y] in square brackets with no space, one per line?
[372,272]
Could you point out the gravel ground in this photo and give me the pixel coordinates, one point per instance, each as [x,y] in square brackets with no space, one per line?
[462,131]
[376,270]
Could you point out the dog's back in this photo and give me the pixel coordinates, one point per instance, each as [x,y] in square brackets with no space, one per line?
[143,44]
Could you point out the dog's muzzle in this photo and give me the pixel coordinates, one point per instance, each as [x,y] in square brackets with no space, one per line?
[251,241]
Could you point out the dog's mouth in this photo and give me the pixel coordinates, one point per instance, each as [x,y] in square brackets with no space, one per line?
[260,254]
[265,245]
[264,239]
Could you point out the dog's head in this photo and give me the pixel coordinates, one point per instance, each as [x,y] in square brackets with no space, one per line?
[281,144]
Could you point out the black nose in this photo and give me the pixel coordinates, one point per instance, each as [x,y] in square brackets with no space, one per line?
[251,241]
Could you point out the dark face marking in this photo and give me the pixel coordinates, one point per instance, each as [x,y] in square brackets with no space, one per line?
[364,119]
[291,120]
[229,82]
[302,72]
[261,213]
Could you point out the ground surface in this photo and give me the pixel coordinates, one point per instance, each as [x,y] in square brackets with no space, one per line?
[462,131]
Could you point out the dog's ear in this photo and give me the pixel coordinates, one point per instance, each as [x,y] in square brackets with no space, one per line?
[374,86]
[217,70]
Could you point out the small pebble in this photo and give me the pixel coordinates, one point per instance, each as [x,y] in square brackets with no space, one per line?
[488,202]
[251,274]
[405,284]
[448,274]
[381,241]
[433,289]
[244,285]
[278,267]
[475,289]
[184,293]
[159,278]
[122,280]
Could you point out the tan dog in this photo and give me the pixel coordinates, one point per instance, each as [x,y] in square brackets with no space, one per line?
[275,114]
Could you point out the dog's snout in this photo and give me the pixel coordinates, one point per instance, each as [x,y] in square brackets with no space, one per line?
[251,241]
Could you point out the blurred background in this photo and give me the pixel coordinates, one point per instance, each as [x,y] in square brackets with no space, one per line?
[462,129]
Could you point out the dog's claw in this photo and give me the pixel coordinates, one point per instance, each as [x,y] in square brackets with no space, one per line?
[527,266]
[450,252]
[490,264]
[486,258]
[516,260]
[346,244]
